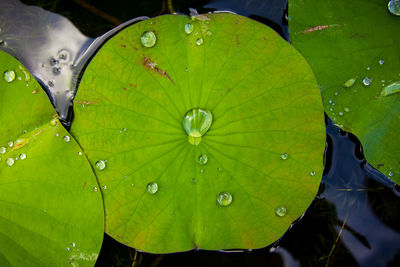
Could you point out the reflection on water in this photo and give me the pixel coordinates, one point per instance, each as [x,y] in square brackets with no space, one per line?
[353,221]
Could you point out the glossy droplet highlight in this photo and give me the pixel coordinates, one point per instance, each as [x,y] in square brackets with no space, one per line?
[199,41]
[381,62]
[346,109]
[148,39]
[66,138]
[95,189]
[284,156]
[152,188]
[350,82]
[367,81]
[3,150]
[100,165]
[224,199]
[189,28]
[22,156]
[341,113]
[390,174]
[9,76]
[196,123]
[312,173]
[391,89]
[10,161]
[203,159]
[280,211]
[394,7]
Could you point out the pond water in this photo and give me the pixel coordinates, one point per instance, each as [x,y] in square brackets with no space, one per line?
[354,219]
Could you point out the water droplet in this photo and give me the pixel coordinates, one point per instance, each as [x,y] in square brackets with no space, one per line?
[104,187]
[22,156]
[186,69]
[57,134]
[3,43]
[394,7]
[194,180]
[368,68]
[280,211]
[199,41]
[203,159]
[331,109]
[10,161]
[224,199]
[381,62]
[201,170]
[196,123]
[284,156]
[79,153]
[67,249]
[3,150]
[391,89]
[346,109]
[367,81]
[219,169]
[95,189]
[350,82]
[148,39]
[9,76]
[100,165]
[188,28]
[336,93]
[152,188]
[390,174]
[330,101]
[312,173]
[56,70]
[63,55]
[53,61]
[50,83]
[66,138]
[124,129]
[10,143]
[340,113]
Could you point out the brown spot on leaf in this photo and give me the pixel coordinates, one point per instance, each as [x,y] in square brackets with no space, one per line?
[316,28]
[136,48]
[237,40]
[122,45]
[132,85]
[84,184]
[151,65]
[354,35]
[35,91]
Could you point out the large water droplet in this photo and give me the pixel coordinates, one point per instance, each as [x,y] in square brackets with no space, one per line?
[10,161]
[224,199]
[391,89]
[148,39]
[203,159]
[3,150]
[394,7]
[152,188]
[9,76]
[280,211]
[284,156]
[199,41]
[100,165]
[189,28]
[350,82]
[367,81]
[196,123]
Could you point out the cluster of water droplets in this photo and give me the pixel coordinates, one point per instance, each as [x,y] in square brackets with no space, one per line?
[394,7]
[10,160]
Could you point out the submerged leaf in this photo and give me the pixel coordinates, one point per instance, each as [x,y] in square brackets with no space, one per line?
[365,43]
[193,133]
[50,215]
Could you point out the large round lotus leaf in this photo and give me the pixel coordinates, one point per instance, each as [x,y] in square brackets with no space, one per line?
[160,191]
[350,44]
[49,213]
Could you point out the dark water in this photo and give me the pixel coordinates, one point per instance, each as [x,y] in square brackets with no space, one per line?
[353,221]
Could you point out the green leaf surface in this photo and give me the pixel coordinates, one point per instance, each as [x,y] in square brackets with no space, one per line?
[50,215]
[346,42]
[264,102]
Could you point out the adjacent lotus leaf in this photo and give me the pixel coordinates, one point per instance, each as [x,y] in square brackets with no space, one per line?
[50,215]
[204,132]
[353,48]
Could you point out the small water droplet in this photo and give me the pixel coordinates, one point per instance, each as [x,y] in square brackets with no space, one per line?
[189,28]
[100,165]
[203,159]
[73,244]
[148,39]
[95,189]
[63,55]
[57,134]
[79,153]
[10,143]
[124,129]
[186,69]
[224,199]
[67,249]
[152,188]
[367,81]
[22,156]
[10,161]
[312,173]
[219,169]
[336,93]
[9,76]
[3,43]
[381,62]
[390,174]
[199,41]
[3,150]
[194,180]
[331,109]
[201,170]
[196,123]
[66,138]
[340,113]
[53,61]
[394,7]
[346,109]
[284,156]
[50,83]
[280,211]
[368,68]
[56,70]
[104,187]
[330,101]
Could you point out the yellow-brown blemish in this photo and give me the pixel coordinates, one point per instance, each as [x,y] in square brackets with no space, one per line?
[151,65]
